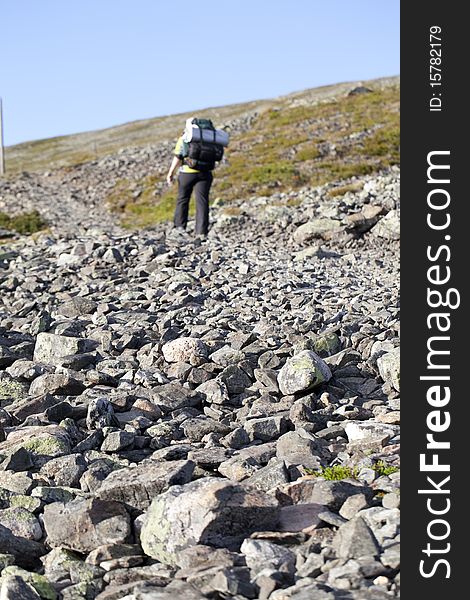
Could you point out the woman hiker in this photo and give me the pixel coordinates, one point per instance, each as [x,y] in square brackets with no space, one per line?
[196,160]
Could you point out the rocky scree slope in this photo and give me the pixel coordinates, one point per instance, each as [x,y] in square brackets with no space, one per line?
[202,419]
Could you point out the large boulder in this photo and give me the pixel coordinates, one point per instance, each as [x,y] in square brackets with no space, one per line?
[51,348]
[304,371]
[83,525]
[211,511]
[323,228]
[136,487]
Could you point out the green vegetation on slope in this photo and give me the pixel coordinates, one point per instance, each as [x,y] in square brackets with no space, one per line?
[311,145]
[24,223]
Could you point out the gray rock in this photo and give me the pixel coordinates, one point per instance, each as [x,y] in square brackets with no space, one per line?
[56,383]
[26,552]
[77,306]
[198,427]
[226,356]
[136,487]
[117,440]
[317,228]
[83,525]
[352,505]
[355,539]
[209,511]
[388,227]
[266,429]
[50,348]
[21,523]
[235,379]
[389,367]
[271,476]
[185,349]
[300,448]
[391,500]
[260,555]
[305,589]
[65,470]
[173,396]
[15,588]
[331,494]
[214,392]
[100,414]
[303,372]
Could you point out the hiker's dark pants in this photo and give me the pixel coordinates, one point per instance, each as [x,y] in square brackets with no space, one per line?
[201,183]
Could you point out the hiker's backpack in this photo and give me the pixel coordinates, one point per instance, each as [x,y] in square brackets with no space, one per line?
[204,145]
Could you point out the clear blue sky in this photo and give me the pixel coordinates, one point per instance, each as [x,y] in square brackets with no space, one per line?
[78,65]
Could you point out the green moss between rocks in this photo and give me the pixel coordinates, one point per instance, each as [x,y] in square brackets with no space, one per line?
[339,472]
[334,473]
[381,468]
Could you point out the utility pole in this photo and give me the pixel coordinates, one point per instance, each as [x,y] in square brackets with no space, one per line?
[2,156]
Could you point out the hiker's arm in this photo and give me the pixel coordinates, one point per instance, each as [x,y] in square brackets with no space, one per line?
[175,163]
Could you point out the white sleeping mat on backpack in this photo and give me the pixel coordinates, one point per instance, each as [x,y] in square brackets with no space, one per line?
[196,134]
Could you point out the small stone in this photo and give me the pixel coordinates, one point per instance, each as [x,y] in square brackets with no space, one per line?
[317,228]
[198,427]
[21,523]
[388,227]
[353,505]
[300,448]
[266,429]
[226,356]
[117,440]
[389,367]
[65,470]
[15,588]
[391,500]
[50,348]
[312,567]
[26,552]
[269,477]
[355,539]
[100,414]
[173,396]
[185,349]
[60,384]
[235,379]
[260,555]
[214,392]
